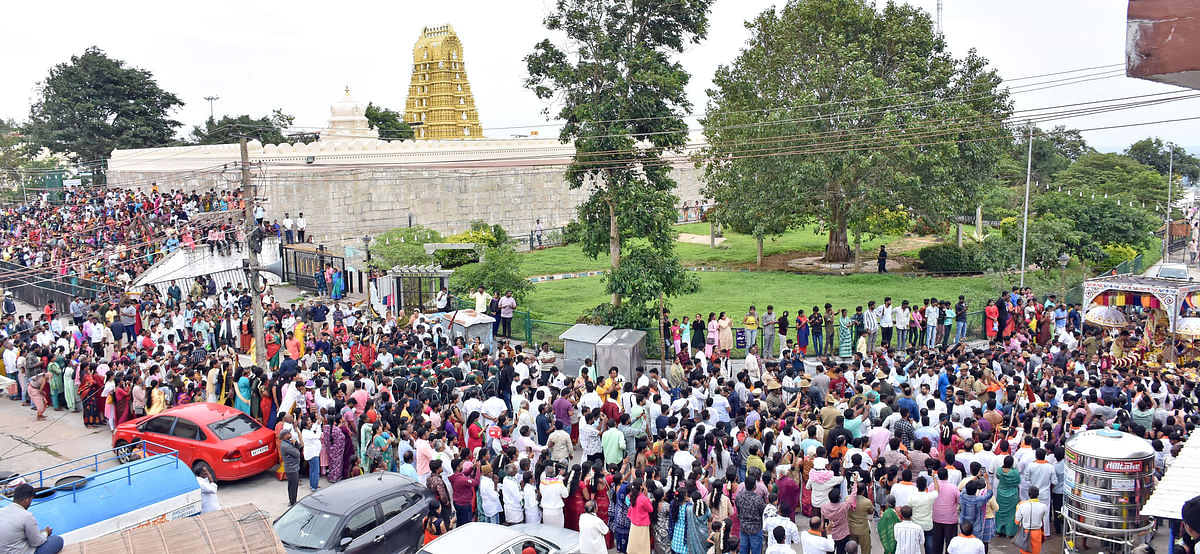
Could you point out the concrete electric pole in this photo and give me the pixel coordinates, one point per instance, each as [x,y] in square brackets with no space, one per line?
[260,345]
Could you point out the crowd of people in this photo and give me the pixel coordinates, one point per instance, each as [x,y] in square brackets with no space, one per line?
[886,424]
[931,446]
[109,238]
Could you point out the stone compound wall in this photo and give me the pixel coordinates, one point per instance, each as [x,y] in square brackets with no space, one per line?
[342,205]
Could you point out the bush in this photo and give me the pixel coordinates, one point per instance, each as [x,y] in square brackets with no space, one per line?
[1114,255]
[947,258]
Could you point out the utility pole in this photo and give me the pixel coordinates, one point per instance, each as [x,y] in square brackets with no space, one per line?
[260,346]
[211,99]
[1167,227]
[1025,224]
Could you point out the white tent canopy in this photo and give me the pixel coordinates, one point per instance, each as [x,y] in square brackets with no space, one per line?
[1180,484]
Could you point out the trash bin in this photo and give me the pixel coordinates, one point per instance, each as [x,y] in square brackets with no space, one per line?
[621,348]
[579,343]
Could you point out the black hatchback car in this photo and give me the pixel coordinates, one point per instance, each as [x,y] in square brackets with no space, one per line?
[374,513]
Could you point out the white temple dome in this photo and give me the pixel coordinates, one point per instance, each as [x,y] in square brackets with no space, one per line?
[348,120]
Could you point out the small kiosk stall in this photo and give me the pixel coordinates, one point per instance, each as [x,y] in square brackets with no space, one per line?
[409,287]
[579,343]
[621,348]
[1164,302]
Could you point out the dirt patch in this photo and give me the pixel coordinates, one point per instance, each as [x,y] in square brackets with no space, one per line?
[697,239]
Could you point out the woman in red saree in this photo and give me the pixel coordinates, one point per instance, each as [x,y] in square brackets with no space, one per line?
[122,397]
[90,388]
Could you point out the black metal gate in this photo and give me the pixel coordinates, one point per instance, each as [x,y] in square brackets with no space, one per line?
[301,263]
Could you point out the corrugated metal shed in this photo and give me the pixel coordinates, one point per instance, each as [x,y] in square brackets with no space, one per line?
[1180,484]
[245,529]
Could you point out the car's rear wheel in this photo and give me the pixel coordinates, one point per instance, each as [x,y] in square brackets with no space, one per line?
[125,452]
[199,466]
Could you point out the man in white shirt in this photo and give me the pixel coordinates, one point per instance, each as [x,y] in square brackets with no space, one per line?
[910,538]
[287,228]
[300,226]
[481,298]
[815,541]
[773,523]
[886,322]
[966,542]
[752,368]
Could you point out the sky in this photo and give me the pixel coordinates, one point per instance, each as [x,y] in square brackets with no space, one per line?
[299,55]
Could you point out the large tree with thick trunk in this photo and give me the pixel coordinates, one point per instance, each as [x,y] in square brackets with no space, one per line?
[850,109]
[620,93]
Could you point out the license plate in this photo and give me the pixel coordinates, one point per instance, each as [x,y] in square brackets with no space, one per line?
[260,450]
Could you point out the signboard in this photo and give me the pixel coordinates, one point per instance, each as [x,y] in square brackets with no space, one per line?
[740,339]
[72,182]
[494,431]
[1119,466]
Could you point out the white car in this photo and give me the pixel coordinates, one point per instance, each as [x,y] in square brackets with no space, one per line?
[1173,271]
[488,538]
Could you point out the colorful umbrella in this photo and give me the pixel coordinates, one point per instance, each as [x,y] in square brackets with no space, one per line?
[1105,316]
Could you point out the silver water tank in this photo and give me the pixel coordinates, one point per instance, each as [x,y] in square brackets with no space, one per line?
[1109,476]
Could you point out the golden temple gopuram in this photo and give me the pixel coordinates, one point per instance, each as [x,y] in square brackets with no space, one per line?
[440,105]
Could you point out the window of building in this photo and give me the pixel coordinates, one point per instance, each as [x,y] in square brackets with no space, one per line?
[453,55]
[466,130]
[460,88]
[462,100]
[425,54]
[441,64]
[464,116]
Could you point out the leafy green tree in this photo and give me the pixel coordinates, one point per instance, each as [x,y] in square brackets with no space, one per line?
[863,110]
[1101,221]
[750,208]
[622,96]
[1053,151]
[1152,152]
[1113,177]
[267,129]
[389,123]
[95,103]
[499,270]
[403,246]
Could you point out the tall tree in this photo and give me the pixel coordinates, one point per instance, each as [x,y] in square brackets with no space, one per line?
[623,101]
[861,109]
[1154,153]
[94,104]
[389,123]
[1114,177]
[268,129]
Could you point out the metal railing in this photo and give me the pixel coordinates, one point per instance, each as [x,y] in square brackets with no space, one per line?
[150,460]
[530,241]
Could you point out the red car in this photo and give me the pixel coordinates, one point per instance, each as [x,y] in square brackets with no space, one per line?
[226,440]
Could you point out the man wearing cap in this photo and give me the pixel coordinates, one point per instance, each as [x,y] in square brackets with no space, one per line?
[18,527]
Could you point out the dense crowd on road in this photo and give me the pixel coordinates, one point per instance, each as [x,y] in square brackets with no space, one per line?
[930,445]
[835,427]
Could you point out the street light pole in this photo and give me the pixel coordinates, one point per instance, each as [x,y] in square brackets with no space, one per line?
[211,99]
[260,346]
[1025,223]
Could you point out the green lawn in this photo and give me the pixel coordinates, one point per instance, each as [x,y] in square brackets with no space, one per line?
[734,292]
[737,249]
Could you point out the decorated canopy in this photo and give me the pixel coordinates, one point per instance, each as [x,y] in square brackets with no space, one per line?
[1149,292]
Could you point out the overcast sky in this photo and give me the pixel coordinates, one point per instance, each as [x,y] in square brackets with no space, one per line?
[298,55]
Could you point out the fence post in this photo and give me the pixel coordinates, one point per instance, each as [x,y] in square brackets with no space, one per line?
[528,328]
